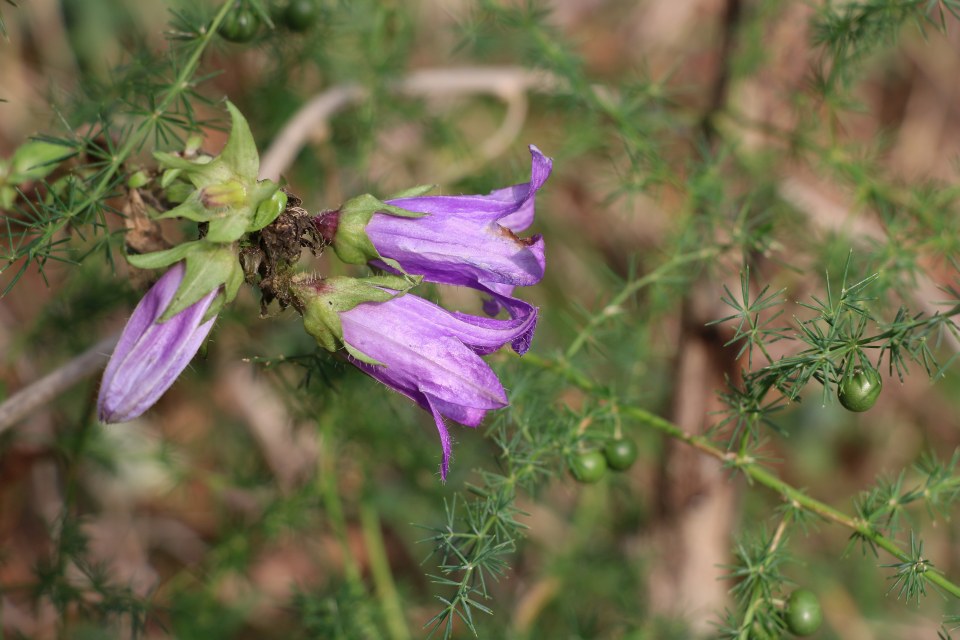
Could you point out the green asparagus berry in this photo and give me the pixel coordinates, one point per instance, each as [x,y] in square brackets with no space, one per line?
[301,14]
[860,390]
[587,466]
[802,613]
[620,454]
[240,25]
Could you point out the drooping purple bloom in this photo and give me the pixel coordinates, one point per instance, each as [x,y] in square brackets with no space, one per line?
[467,240]
[432,356]
[413,346]
[151,355]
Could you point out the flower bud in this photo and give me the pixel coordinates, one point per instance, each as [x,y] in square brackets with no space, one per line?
[151,352]
[225,191]
[225,194]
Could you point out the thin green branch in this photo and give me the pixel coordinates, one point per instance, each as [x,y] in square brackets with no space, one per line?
[630,289]
[758,596]
[756,473]
[390,603]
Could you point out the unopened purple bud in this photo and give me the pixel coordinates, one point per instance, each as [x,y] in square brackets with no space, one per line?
[151,355]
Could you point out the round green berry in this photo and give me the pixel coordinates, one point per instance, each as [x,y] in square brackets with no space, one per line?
[859,390]
[587,466]
[240,25]
[802,613]
[301,14]
[620,454]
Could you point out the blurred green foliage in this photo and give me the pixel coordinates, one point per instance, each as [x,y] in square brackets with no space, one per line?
[735,184]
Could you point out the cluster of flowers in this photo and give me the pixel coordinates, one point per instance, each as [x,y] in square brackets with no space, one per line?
[413,346]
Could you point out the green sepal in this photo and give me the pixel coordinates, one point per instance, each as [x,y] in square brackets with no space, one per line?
[364,206]
[250,217]
[269,209]
[165,258]
[169,176]
[208,267]
[199,171]
[174,165]
[400,284]
[323,301]
[414,192]
[216,306]
[236,278]
[352,244]
[226,192]
[237,160]
[179,191]
[361,356]
[191,209]
[240,153]
[230,289]
[229,226]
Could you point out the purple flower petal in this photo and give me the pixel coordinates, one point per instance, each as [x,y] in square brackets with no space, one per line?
[492,305]
[149,355]
[518,310]
[446,444]
[431,356]
[482,335]
[522,218]
[420,356]
[514,204]
[458,251]
[466,240]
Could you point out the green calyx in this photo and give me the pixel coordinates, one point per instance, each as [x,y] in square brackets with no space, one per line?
[352,244]
[222,192]
[225,191]
[323,300]
[209,267]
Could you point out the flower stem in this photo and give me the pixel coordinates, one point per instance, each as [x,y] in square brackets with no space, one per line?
[382,577]
[327,477]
